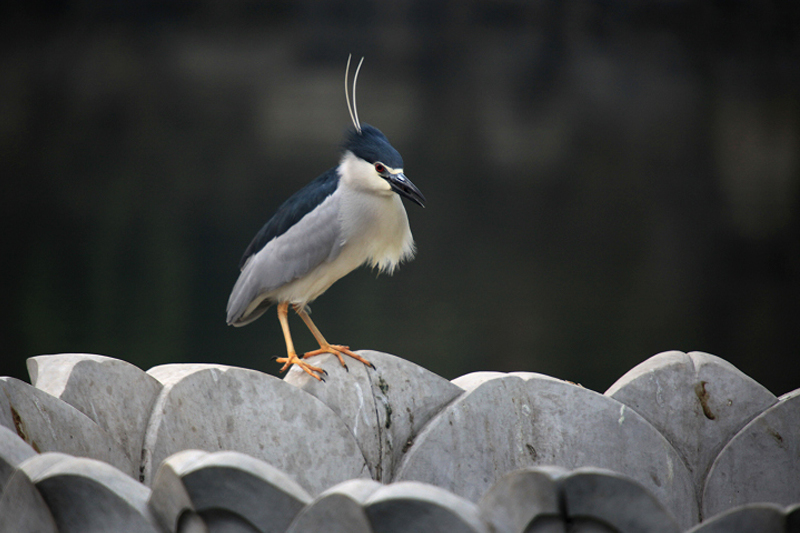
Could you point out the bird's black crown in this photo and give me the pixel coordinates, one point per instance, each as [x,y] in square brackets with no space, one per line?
[372,146]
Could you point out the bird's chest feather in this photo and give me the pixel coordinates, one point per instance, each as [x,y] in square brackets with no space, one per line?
[375,228]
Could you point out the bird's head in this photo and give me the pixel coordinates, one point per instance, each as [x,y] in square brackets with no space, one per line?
[369,160]
[373,163]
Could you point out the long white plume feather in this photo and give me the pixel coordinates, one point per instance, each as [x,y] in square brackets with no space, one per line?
[352,109]
[355,108]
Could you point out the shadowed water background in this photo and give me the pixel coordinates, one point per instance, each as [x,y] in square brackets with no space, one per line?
[605,180]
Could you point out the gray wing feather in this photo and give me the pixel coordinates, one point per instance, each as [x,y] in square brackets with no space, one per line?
[303,247]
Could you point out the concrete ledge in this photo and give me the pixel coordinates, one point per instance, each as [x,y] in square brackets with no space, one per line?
[218,408]
[512,421]
[99,445]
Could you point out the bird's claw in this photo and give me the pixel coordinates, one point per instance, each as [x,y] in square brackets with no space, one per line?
[292,359]
[338,350]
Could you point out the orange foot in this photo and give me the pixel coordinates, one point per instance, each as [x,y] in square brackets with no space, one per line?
[313,371]
[337,350]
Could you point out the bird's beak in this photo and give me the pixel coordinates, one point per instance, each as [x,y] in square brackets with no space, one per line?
[403,186]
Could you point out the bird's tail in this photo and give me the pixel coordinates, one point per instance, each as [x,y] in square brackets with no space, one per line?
[244,304]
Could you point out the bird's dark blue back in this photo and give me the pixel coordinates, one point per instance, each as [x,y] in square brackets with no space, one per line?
[292,210]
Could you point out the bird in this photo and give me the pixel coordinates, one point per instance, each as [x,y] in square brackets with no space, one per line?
[349,216]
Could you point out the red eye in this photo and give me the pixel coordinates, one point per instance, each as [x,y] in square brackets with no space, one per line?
[380,168]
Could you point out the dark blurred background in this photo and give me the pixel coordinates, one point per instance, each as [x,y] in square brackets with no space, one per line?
[606,180]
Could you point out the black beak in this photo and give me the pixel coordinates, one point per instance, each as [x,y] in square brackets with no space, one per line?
[403,186]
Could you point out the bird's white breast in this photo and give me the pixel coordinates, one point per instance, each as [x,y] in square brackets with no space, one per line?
[376,228]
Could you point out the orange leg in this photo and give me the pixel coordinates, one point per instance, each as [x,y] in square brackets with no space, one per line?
[291,357]
[325,346]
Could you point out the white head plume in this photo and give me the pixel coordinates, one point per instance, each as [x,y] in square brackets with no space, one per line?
[352,110]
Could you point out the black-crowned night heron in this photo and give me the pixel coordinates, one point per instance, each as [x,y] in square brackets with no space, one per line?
[350,215]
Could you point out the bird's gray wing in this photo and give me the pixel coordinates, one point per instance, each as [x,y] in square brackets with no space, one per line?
[313,239]
[292,210]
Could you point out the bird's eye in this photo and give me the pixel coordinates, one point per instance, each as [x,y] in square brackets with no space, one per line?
[380,169]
